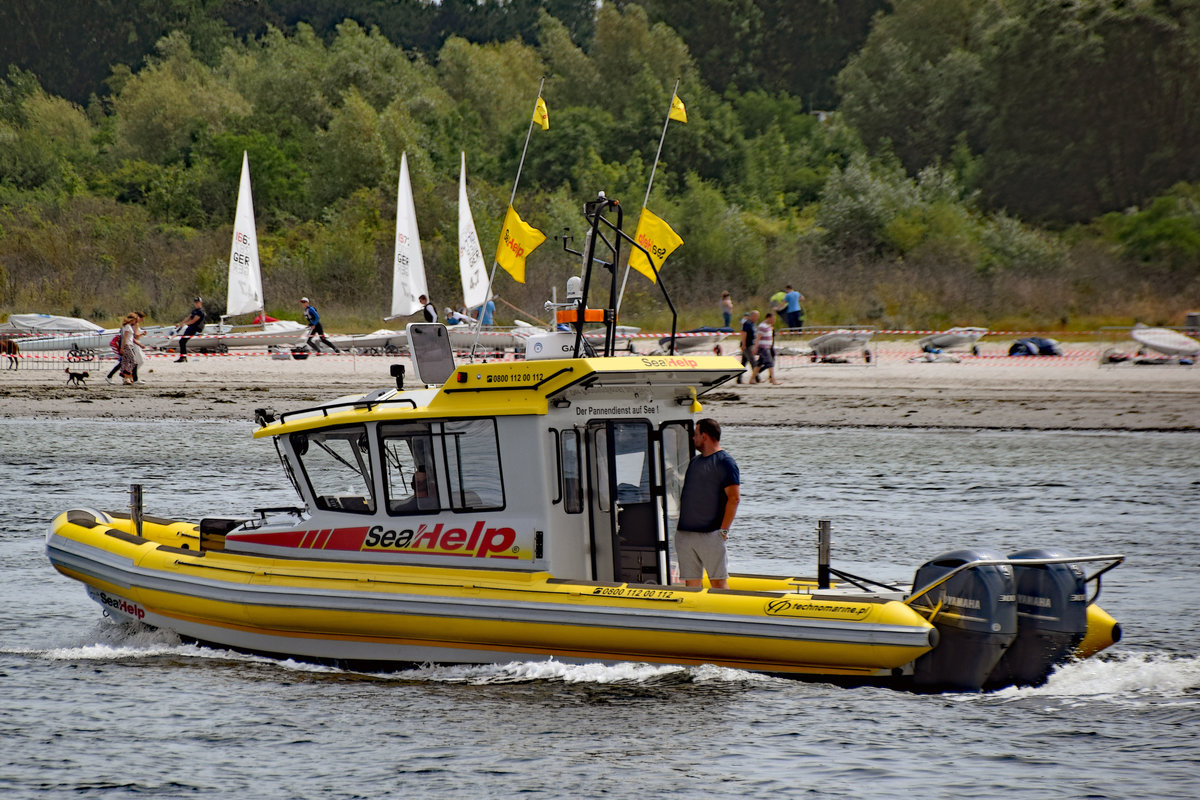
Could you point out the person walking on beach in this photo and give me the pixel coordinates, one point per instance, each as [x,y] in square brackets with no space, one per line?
[315,328]
[117,345]
[746,342]
[726,309]
[764,349]
[130,349]
[428,309]
[192,324]
[707,506]
[795,312]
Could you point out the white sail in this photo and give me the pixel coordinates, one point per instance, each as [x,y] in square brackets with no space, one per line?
[470,257]
[245,294]
[408,268]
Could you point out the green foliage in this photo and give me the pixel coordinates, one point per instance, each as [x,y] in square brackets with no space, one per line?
[859,203]
[1067,110]
[44,141]
[162,111]
[128,203]
[792,46]
[1165,233]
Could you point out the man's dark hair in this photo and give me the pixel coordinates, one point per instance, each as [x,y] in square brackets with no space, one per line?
[710,427]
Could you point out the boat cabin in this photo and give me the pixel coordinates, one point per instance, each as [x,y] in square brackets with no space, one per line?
[569,466]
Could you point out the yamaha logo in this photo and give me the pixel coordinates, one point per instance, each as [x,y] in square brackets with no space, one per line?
[537,347]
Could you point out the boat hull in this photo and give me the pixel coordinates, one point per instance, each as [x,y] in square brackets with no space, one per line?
[835,342]
[285,335]
[37,343]
[693,342]
[953,337]
[390,614]
[489,339]
[1166,341]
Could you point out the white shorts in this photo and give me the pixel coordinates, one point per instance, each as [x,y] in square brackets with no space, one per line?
[700,552]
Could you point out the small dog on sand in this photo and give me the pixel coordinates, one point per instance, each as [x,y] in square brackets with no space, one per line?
[76,378]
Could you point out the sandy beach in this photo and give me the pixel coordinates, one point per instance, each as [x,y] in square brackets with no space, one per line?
[995,392]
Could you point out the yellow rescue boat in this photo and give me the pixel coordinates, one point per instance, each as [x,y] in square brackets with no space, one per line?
[524,510]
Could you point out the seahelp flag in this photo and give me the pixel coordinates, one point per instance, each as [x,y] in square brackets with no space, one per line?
[517,240]
[658,238]
[678,112]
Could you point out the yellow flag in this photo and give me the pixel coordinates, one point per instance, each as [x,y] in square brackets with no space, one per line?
[540,115]
[678,112]
[517,240]
[657,237]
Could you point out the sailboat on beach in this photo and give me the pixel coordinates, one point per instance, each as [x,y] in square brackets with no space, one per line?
[476,291]
[244,294]
[408,274]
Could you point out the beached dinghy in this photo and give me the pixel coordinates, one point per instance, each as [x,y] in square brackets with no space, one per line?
[1165,341]
[221,338]
[523,510]
[697,340]
[829,346]
[50,332]
[952,338]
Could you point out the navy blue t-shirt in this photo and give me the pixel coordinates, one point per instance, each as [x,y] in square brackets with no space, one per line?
[702,504]
[748,329]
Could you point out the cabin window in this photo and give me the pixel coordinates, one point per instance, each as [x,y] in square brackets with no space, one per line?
[287,466]
[337,463]
[570,457]
[632,444]
[473,464]
[466,477]
[676,454]
[626,445]
[409,472]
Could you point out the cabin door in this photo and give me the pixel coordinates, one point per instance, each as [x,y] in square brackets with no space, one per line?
[628,541]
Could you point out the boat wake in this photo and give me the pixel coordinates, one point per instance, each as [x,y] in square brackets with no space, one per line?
[517,672]
[110,642]
[1127,679]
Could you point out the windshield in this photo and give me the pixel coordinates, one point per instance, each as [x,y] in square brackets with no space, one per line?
[337,464]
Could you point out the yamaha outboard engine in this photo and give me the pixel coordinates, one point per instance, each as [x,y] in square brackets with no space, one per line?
[1051,620]
[975,613]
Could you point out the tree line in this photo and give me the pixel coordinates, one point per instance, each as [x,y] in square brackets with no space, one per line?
[906,163]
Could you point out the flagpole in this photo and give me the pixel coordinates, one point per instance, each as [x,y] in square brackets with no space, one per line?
[649,186]
[512,199]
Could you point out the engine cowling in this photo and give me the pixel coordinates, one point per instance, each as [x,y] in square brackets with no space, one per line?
[975,613]
[1051,620]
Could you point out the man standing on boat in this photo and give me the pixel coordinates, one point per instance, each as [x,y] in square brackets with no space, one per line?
[707,505]
[192,324]
[315,328]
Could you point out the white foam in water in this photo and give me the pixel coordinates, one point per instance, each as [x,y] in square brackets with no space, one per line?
[119,642]
[122,642]
[551,670]
[1125,677]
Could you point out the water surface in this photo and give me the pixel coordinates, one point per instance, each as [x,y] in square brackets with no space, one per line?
[91,709]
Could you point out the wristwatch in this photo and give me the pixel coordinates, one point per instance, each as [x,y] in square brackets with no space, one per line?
[724,532]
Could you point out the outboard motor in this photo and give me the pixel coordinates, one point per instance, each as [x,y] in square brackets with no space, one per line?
[975,613]
[1051,620]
